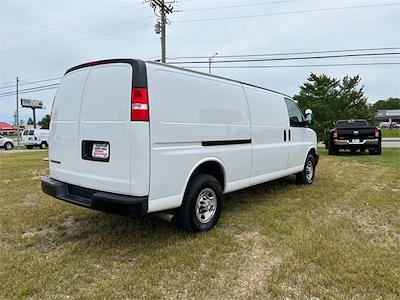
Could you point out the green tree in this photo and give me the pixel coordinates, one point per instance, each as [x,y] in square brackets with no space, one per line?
[389,103]
[45,122]
[332,99]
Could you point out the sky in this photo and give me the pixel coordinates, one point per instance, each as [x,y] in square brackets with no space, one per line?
[42,39]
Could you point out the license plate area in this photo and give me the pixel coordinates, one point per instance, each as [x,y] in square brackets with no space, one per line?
[96,151]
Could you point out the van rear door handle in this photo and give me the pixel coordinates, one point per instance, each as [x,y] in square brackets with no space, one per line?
[290,138]
[284,135]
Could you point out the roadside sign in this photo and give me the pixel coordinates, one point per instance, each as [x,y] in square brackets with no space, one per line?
[32,103]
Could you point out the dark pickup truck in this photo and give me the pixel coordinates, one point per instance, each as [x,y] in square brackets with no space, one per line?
[353,135]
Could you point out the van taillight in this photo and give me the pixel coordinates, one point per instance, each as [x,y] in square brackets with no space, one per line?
[335,134]
[140,105]
[376,131]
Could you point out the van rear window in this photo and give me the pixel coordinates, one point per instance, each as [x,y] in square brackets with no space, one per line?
[351,124]
[25,132]
[31,132]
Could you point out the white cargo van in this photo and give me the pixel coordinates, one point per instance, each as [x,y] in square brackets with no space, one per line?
[35,138]
[128,136]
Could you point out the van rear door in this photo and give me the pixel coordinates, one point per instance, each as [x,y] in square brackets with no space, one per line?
[64,145]
[104,129]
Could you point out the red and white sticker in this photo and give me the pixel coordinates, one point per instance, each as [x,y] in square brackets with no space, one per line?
[100,150]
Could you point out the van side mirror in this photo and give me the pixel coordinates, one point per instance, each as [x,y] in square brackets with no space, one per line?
[309,116]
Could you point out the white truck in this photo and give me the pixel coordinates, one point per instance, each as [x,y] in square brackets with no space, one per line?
[128,136]
[35,138]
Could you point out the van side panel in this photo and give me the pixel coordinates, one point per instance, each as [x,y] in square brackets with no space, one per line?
[105,117]
[186,110]
[64,144]
[268,122]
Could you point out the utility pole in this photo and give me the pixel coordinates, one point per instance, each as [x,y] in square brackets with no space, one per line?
[163,32]
[17,112]
[160,27]
[210,60]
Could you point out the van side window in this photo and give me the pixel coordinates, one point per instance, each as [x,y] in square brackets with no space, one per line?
[296,117]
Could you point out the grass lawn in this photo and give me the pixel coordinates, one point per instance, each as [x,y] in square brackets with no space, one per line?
[339,238]
[391,132]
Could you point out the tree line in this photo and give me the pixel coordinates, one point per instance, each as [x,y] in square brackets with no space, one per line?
[333,99]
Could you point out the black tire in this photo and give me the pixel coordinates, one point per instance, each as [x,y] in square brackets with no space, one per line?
[377,150]
[8,146]
[188,214]
[353,151]
[29,147]
[333,150]
[43,145]
[304,177]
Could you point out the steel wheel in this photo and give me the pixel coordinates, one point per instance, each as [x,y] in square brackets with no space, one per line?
[206,205]
[309,171]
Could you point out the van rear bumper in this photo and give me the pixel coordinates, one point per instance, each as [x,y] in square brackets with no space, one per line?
[98,200]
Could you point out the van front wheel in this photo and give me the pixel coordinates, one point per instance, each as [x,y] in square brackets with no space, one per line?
[202,204]
[307,175]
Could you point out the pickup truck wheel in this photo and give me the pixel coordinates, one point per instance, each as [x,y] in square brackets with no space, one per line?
[330,150]
[333,150]
[307,175]
[377,150]
[8,146]
[29,147]
[202,204]
[43,145]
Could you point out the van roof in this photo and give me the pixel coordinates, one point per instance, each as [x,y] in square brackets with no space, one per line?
[139,66]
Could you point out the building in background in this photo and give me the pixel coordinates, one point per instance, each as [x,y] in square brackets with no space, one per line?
[387,117]
[8,129]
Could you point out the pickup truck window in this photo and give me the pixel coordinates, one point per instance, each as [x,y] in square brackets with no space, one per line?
[296,117]
[351,124]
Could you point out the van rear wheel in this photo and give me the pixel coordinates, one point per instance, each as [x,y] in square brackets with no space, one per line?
[202,204]
[43,145]
[29,147]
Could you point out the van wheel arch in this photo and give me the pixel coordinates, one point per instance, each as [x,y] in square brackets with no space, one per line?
[209,167]
[313,152]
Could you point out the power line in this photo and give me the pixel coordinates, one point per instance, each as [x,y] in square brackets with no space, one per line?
[240,5]
[287,53]
[32,82]
[289,58]
[295,66]
[68,23]
[74,34]
[287,13]
[55,85]
[74,41]
[38,90]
